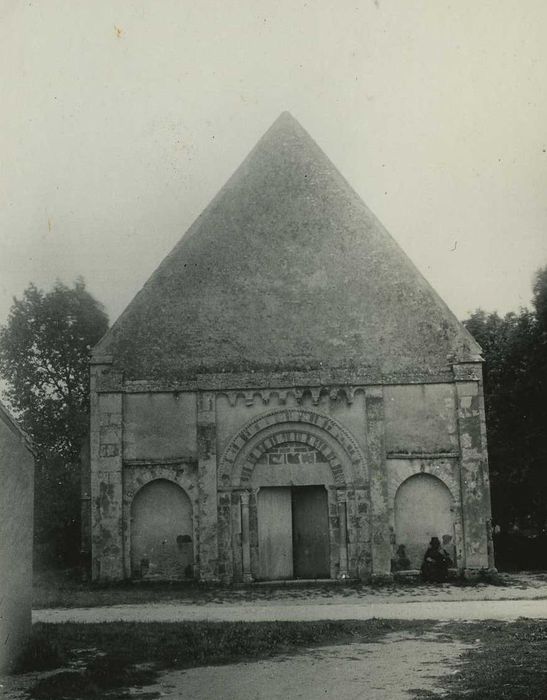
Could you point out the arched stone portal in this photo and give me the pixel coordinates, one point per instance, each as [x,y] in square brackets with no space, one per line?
[302,503]
[293,480]
[161,532]
[423,509]
[292,425]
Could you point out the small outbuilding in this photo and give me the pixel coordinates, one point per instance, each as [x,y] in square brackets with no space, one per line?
[16,537]
[287,396]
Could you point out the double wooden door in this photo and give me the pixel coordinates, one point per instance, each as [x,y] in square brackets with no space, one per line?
[293,533]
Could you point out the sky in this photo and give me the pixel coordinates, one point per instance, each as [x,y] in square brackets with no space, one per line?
[120,120]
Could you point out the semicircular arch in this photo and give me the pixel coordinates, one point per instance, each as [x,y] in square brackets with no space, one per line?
[426,472]
[304,426]
[424,508]
[152,480]
[161,531]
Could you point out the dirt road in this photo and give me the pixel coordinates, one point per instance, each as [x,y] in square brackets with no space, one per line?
[387,670]
[303,610]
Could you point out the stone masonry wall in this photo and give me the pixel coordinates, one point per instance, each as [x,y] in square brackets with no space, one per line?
[474,472]
[16,520]
[106,417]
[193,430]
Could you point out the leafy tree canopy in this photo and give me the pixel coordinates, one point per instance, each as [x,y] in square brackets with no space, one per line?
[44,353]
[515,386]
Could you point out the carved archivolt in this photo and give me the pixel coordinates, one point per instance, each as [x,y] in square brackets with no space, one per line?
[304,426]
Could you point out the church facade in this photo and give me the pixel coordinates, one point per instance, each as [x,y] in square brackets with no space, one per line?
[286,398]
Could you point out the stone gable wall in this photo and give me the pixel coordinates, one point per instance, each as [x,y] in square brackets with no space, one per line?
[360,442]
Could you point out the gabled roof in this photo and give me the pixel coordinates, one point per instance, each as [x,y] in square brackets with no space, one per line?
[286,269]
[10,422]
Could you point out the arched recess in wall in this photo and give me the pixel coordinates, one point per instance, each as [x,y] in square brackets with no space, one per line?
[424,509]
[162,532]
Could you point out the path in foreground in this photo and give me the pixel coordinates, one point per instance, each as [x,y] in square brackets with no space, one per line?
[221,612]
[389,669]
[386,670]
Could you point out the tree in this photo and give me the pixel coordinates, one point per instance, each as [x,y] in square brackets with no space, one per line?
[44,353]
[515,387]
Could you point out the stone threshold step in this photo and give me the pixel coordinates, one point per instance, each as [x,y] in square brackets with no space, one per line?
[295,582]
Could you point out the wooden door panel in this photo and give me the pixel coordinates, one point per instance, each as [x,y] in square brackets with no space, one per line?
[275,549]
[310,532]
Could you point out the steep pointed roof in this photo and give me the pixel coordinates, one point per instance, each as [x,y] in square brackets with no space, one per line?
[286,269]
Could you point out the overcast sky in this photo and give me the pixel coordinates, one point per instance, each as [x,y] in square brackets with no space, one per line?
[119,121]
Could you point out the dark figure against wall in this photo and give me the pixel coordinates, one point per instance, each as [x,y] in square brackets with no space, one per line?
[400,561]
[436,562]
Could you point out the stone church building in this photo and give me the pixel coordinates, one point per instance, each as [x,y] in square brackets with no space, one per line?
[286,397]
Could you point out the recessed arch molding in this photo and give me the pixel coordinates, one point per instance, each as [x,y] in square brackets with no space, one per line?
[305,426]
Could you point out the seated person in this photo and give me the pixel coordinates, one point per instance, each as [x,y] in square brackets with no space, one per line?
[436,562]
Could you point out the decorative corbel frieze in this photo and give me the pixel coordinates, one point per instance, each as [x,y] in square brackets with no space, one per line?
[282,395]
[315,394]
[298,395]
[231,396]
[350,394]
[335,393]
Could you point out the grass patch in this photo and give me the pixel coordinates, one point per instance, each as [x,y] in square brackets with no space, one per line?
[71,594]
[507,662]
[488,578]
[121,655]
[40,653]
[58,591]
